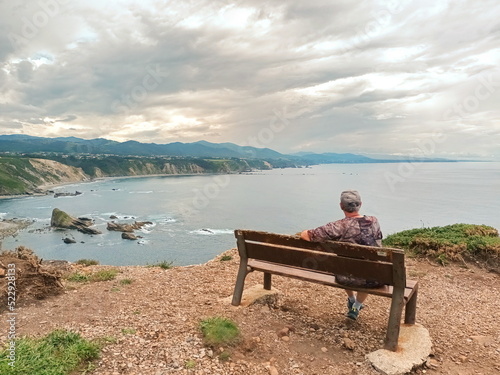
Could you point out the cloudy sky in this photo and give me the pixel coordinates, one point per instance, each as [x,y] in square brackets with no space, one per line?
[394,77]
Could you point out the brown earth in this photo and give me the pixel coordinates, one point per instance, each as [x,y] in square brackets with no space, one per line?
[31,281]
[152,324]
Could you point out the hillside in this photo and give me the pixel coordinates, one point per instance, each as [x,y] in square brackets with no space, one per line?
[25,175]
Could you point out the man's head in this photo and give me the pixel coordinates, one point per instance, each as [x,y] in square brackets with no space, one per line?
[350,201]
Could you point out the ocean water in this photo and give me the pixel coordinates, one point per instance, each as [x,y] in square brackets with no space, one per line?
[193,217]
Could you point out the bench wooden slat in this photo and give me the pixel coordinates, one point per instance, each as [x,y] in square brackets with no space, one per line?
[321,261]
[322,278]
[340,248]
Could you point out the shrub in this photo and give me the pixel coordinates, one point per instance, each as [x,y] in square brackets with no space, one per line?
[457,242]
[126,281]
[219,331]
[225,258]
[60,352]
[190,364]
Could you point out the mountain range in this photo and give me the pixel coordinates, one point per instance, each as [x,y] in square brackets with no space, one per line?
[20,143]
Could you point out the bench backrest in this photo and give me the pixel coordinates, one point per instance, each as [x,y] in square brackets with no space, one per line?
[385,265]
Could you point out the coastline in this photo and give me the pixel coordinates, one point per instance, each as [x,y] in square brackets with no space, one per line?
[46,188]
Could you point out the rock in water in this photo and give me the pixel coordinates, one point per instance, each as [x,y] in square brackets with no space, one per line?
[129,236]
[127,227]
[120,227]
[61,219]
[68,240]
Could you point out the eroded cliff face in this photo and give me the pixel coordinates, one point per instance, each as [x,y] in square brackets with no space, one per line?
[26,175]
[51,172]
[20,175]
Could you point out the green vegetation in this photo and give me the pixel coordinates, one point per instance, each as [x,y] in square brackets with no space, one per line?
[126,281]
[77,277]
[87,262]
[219,331]
[190,364]
[59,353]
[17,175]
[225,355]
[166,265]
[225,258]
[457,242]
[102,275]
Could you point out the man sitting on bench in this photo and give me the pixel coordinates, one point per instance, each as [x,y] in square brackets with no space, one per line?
[354,228]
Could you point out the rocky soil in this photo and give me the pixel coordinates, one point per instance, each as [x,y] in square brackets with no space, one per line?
[151,322]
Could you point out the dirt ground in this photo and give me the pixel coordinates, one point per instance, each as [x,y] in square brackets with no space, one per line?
[151,322]
[28,279]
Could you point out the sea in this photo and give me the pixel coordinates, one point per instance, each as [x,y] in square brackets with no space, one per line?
[193,218]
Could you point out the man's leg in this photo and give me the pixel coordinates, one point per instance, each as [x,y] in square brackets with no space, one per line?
[355,304]
[360,297]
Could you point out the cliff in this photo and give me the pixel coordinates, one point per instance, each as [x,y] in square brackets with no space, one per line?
[26,175]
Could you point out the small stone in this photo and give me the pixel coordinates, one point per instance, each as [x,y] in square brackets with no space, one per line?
[431,363]
[273,370]
[324,350]
[285,338]
[284,332]
[349,344]
[462,358]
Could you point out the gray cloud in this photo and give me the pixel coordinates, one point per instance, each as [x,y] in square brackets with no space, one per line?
[352,76]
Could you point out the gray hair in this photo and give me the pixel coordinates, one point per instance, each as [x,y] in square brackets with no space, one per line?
[350,201]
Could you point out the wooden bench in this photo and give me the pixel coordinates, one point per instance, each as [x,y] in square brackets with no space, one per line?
[320,262]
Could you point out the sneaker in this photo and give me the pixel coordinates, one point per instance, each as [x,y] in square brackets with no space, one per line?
[353,312]
[349,304]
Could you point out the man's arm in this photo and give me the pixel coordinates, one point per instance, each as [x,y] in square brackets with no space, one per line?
[305,235]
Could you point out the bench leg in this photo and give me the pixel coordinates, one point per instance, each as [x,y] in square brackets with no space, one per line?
[240,283]
[267,281]
[411,307]
[391,338]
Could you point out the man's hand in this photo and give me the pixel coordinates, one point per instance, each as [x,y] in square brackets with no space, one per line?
[305,235]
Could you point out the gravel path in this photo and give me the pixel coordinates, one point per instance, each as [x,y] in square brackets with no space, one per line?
[151,325]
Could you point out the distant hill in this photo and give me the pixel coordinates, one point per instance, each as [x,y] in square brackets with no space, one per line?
[20,143]
[29,144]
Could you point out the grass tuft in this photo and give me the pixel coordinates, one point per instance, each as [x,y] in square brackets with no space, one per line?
[219,331]
[166,265]
[104,275]
[226,258]
[87,262]
[77,277]
[60,352]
